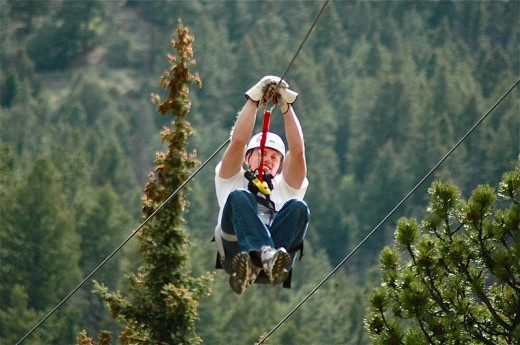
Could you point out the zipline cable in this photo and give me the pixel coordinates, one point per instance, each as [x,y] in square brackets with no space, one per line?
[390,214]
[125,241]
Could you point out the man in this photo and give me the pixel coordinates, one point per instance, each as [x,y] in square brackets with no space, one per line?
[259,231]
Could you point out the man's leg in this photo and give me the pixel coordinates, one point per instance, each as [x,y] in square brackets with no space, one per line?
[287,231]
[240,218]
[243,233]
[290,225]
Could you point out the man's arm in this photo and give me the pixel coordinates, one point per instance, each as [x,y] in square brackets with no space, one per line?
[295,166]
[234,156]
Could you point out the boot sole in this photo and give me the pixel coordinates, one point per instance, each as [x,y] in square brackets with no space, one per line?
[281,266]
[242,267]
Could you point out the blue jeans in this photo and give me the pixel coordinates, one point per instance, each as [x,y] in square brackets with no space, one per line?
[240,218]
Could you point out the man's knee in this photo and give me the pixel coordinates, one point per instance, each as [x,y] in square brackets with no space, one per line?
[299,207]
[239,195]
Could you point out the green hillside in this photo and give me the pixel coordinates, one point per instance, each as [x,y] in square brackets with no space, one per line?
[386,88]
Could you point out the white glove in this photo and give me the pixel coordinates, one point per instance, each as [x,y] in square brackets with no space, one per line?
[258,92]
[284,98]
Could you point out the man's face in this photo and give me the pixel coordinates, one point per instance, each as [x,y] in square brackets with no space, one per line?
[272,160]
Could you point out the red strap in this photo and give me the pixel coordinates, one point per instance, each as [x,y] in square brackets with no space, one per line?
[265,129]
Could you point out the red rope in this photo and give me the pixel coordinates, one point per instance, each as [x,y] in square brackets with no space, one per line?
[265,129]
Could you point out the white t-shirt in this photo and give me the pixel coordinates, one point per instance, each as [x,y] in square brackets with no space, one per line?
[280,194]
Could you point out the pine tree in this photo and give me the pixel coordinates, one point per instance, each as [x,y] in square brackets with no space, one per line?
[15,315]
[460,281]
[37,231]
[163,304]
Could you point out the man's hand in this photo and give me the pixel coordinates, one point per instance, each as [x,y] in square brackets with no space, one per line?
[260,91]
[284,98]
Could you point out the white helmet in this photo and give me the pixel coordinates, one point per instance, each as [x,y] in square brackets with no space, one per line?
[273,141]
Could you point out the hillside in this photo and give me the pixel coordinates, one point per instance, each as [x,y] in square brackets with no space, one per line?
[386,89]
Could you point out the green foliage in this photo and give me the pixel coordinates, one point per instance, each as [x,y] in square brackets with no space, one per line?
[15,314]
[104,339]
[9,88]
[27,11]
[458,281]
[71,32]
[38,231]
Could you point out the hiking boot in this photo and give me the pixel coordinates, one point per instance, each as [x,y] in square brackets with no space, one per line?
[276,263]
[243,272]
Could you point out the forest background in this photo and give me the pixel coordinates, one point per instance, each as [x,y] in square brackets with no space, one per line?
[386,89]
